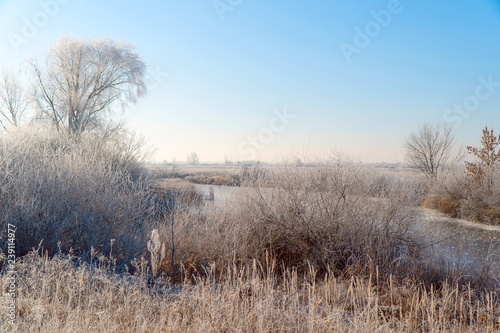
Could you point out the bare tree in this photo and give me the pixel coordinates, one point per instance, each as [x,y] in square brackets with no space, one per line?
[193,158]
[82,81]
[430,148]
[13,102]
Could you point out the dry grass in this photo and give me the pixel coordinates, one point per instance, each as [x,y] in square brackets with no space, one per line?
[177,191]
[176,185]
[225,179]
[200,174]
[444,203]
[328,247]
[55,295]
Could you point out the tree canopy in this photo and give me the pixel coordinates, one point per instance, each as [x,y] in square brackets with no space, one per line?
[82,81]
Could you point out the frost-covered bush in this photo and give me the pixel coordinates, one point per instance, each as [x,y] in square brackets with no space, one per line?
[73,192]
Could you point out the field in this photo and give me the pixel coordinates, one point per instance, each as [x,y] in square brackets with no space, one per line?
[104,243]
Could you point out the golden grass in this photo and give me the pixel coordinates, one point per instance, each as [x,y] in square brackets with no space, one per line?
[174,184]
[174,189]
[55,295]
[444,203]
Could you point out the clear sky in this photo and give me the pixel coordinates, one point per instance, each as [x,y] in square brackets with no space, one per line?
[264,79]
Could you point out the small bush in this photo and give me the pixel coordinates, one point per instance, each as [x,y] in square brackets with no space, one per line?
[482,207]
[447,194]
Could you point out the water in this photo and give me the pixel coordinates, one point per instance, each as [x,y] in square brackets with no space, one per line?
[459,240]
[222,194]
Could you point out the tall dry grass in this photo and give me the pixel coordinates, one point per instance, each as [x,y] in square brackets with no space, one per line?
[61,294]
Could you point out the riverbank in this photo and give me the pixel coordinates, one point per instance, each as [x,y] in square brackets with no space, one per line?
[435,214]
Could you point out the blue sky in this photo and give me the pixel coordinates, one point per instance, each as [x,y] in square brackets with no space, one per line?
[253,79]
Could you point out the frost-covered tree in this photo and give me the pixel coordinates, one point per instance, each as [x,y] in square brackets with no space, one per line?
[13,102]
[193,158]
[82,82]
[430,147]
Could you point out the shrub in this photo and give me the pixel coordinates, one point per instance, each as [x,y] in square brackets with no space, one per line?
[73,192]
[445,204]
[475,196]
[447,194]
[482,207]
